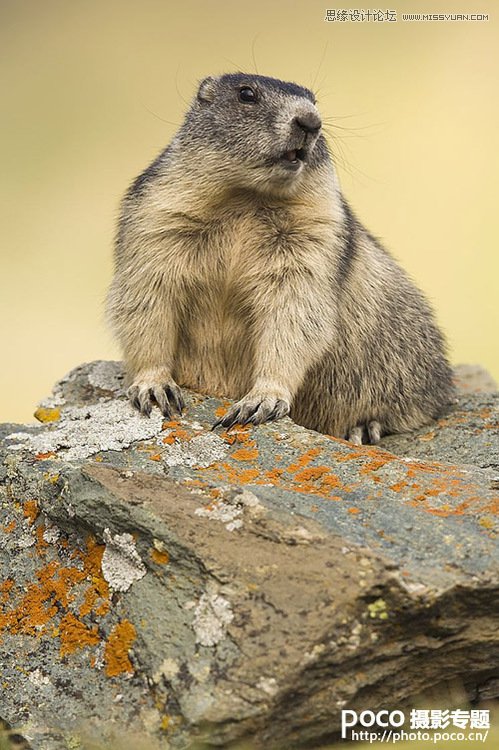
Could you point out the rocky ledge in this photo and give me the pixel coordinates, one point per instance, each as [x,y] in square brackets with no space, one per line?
[166,582]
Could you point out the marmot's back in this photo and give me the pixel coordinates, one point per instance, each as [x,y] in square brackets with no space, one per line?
[242,272]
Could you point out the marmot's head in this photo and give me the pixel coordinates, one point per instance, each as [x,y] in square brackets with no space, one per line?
[255,132]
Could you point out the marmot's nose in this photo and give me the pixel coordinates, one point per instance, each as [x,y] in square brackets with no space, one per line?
[310,122]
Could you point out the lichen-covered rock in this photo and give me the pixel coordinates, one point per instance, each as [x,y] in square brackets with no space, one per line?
[161,580]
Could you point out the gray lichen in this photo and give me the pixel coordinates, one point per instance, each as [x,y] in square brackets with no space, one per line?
[219,510]
[212,615]
[108,376]
[230,510]
[200,452]
[82,431]
[121,563]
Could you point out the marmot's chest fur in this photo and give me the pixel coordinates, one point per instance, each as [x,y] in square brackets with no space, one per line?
[225,262]
[242,271]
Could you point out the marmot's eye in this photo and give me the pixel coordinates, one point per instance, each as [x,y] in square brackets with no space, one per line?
[247,95]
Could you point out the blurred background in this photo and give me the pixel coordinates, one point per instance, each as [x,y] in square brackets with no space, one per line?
[92,91]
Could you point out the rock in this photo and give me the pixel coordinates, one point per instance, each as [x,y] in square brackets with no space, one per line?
[474,378]
[161,582]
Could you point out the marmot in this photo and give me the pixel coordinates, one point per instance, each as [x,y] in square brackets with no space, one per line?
[242,272]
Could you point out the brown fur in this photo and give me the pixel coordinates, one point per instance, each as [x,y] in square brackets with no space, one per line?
[269,291]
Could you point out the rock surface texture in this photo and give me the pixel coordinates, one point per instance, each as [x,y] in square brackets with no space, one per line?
[159,579]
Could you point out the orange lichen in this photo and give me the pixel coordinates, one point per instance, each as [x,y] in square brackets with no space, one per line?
[75,635]
[445,482]
[117,647]
[165,723]
[298,476]
[417,468]
[146,447]
[177,435]
[437,480]
[492,506]
[9,528]
[171,424]
[97,592]
[160,556]
[365,451]
[41,544]
[193,482]
[247,475]
[5,589]
[47,415]
[274,475]
[303,460]
[398,486]
[313,472]
[354,510]
[228,438]
[487,523]
[427,436]
[245,454]
[55,589]
[374,464]
[235,476]
[43,456]
[155,457]
[31,511]
[52,478]
[46,605]
[39,604]
[349,456]
[239,434]
[55,583]
[454,419]
[330,481]
[211,506]
[97,595]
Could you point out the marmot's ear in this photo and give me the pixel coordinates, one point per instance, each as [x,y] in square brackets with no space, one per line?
[206,91]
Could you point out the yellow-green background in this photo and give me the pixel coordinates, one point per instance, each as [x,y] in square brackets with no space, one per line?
[90,92]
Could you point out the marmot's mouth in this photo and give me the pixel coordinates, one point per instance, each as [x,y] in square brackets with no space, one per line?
[293,158]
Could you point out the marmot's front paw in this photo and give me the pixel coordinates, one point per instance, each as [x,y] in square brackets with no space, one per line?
[143,394]
[254,410]
[365,433]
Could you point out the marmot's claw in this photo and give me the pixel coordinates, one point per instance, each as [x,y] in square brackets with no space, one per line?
[281,409]
[140,400]
[174,395]
[237,414]
[253,411]
[168,397]
[135,402]
[369,433]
